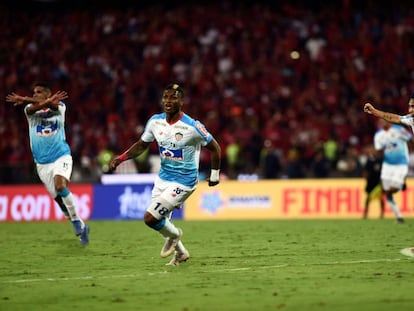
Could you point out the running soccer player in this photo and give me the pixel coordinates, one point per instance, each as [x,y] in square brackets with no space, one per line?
[45,114]
[179,138]
[393,140]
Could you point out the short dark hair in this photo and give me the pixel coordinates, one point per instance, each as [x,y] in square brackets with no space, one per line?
[42,84]
[175,87]
[412,95]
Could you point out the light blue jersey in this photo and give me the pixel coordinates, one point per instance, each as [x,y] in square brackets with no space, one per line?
[47,134]
[394,144]
[179,146]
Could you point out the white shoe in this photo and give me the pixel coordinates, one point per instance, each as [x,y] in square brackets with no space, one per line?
[179,258]
[170,244]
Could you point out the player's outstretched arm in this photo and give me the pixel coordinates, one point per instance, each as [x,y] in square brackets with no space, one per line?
[387,116]
[17,99]
[52,102]
[135,150]
[215,151]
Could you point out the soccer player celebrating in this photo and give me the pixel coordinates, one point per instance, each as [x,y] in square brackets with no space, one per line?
[392,140]
[407,119]
[179,138]
[45,114]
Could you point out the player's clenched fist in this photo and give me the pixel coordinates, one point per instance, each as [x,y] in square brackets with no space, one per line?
[116,161]
[368,108]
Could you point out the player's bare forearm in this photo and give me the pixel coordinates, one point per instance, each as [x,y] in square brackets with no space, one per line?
[391,117]
[17,99]
[215,150]
[215,160]
[51,102]
[136,149]
[387,116]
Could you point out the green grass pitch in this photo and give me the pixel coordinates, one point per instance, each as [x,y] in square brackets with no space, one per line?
[235,265]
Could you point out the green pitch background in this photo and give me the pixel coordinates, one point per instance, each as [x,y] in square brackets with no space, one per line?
[235,265]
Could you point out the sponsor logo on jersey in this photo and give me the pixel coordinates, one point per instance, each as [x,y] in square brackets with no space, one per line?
[47,130]
[176,155]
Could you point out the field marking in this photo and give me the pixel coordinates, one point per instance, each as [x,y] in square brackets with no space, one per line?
[89,277]
[137,275]
[309,264]
[408,252]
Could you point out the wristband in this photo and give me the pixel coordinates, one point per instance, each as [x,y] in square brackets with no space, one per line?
[214,175]
[123,157]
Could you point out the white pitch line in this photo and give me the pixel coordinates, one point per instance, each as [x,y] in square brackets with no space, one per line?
[89,277]
[135,275]
[352,262]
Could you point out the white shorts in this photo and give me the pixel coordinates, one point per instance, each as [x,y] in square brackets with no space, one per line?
[47,172]
[173,193]
[393,176]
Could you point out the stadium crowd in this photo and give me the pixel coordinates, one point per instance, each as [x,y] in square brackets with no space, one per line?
[280,86]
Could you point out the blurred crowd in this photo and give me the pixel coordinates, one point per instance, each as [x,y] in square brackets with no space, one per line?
[280,85]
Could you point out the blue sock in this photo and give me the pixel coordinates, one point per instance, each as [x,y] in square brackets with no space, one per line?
[159,225]
[64,193]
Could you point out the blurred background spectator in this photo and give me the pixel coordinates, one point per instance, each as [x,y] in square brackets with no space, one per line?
[279,83]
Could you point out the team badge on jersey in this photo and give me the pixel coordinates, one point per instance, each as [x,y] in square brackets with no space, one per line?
[178,136]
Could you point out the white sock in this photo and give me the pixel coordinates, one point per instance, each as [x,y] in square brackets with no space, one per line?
[180,248]
[70,205]
[169,230]
[394,207]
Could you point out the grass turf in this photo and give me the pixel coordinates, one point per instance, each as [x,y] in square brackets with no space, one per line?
[234,265]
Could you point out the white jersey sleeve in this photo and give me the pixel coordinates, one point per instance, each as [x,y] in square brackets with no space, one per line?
[408,120]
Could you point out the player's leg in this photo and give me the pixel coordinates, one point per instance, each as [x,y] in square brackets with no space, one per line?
[166,196]
[366,205]
[392,179]
[394,206]
[157,218]
[376,193]
[62,206]
[45,173]
[382,206]
[181,254]
[62,170]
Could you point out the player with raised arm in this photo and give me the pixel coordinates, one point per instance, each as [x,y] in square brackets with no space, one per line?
[45,113]
[390,117]
[179,138]
[392,140]
[407,119]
